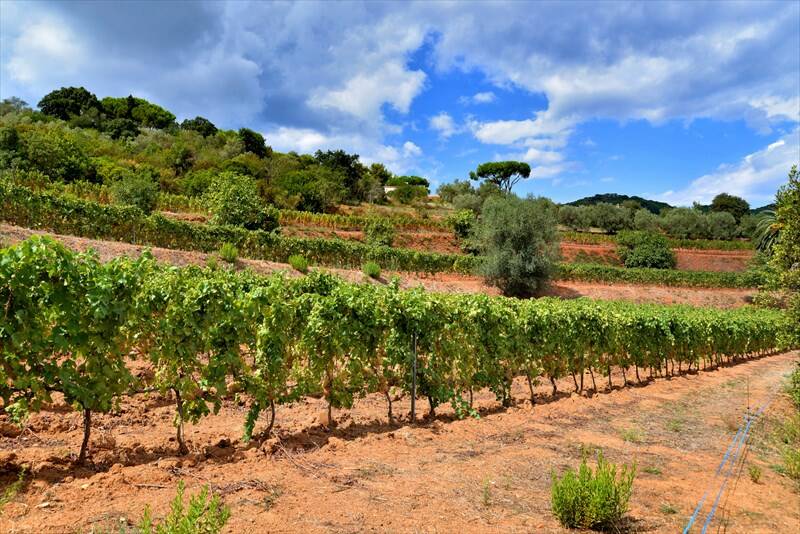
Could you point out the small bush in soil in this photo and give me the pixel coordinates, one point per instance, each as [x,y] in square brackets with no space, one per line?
[595,500]
[298,263]
[228,253]
[203,515]
[372,269]
[645,249]
[755,473]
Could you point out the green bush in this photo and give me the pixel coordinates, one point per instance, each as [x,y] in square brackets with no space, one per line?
[229,253]
[645,249]
[298,263]
[592,272]
[139,191]
[595,500]
[204,515]
[233,199]
[379,232]
[372,270]
[462,222]
[794,386]
[519,241]
[406,194]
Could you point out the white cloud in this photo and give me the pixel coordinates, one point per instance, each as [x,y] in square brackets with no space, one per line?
[485,97]
[44,51]
[755,178]
[410,149]
[444,124]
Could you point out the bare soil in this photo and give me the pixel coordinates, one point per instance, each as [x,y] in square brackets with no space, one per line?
[442,475]
[440,282]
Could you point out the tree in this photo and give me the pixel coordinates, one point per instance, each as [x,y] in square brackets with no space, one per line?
[448,192]
[69,102]
[645,249]
[347,164]
[233,199]
[608,217]
[52,151]
[721,225]
[505,174]
[136,190]
[786,251]
[253,142]
[201,125]
[139,110]
[13,105]
[121,128]
[736,206]
[519,242]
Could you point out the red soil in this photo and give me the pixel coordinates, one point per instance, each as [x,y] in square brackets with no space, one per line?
[443,475]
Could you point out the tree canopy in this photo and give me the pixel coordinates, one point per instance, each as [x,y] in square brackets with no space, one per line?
[69,102]
[504,174]
[736,206]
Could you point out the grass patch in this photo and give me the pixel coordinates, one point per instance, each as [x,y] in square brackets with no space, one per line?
[298,263]
[667,509]
[372,270]
[632,435]
[11,492]
[652,470]
[755,473]
[593,499]
[201,516]
[229,253]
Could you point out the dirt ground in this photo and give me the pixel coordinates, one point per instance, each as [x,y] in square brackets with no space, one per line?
[441,282]
[442,475]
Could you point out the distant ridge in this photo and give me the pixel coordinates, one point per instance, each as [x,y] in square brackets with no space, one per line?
[613,198]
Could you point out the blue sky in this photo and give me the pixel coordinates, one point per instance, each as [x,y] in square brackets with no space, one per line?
[674,101]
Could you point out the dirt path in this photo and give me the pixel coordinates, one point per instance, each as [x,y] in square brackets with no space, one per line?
[476,475]
[442,282]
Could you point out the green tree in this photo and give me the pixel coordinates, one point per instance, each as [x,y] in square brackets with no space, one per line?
[253,142]
[519,242]
[201,125]
[348,165]
[786,251]
[13,105]
[505,174]
[736,206]
[68,102]
[645,249]
[52,151]
[448,192]
[233,199]
[136,190]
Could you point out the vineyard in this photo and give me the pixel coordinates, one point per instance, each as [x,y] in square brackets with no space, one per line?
[72,324]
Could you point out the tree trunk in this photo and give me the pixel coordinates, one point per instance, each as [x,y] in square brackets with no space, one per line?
[87,427]
[594,384]
[530,387]
[574,379]
[610,385]
[389,400]
[182,448]
[555,388]
[272,417]
[636,367]
[433,407]
[624,378]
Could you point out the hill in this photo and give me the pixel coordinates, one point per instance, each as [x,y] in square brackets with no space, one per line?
[614,198]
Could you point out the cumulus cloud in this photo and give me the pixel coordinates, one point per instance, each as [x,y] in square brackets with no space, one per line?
[444,124]
[755,177]
[43,48]
[485,97]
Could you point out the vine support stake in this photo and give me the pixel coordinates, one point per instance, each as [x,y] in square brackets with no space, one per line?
[414,379]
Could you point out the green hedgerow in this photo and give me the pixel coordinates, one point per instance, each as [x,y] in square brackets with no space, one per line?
[645,249]
[595,500]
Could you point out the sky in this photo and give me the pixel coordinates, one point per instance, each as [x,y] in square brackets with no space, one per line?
[675,101]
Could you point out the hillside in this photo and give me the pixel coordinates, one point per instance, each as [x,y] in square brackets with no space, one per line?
[614,198]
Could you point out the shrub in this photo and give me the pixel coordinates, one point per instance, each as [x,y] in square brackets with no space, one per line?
[794,386]
[468,201]
[609,218]
[574,217]
[755,473]
[645,249]
[379,232]
[406,194]
[645,220]
[462,223]
[135,190]
[228,253]
[233,199]
[203,515]
[685,223]
[298,263]
[372,270]
[519,241]
[721,225]
[592,500]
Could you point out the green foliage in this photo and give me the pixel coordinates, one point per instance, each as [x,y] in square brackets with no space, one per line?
[574,217]
[591,272]
[685,223]
[504,174]
[372,270]
[254,142]
[608,217]
[379,232]
[447,192]
[298,263]
[737,207]
[645,249]
[652,206]
[315,189]
[408,180]
[519,242]
[463,223]
[233,199]
[794,386]
[55,153]
[755,473]
[595,500]
[68,102]
[200,125]
[72,324]
[136,190]
[645,221]
[721,225]
[203,515]
[228,253]
[407,194]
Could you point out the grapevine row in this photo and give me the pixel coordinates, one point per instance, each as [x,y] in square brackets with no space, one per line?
[72,324]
